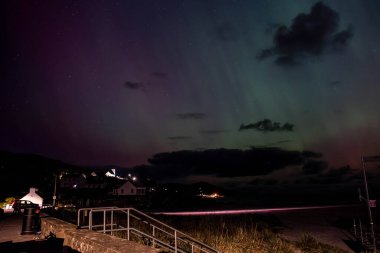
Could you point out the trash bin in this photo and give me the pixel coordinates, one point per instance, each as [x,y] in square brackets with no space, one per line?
[29,221]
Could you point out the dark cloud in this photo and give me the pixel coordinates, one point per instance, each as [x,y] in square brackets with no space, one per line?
[215,131]
[134,85]
[143,85]
[309,35]
[178,138]
[192,115]
[159,75]
[267,125]
[223,162]
[340,40]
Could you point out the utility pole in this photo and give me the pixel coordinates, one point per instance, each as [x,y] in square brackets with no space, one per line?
[55,190]
[367,199]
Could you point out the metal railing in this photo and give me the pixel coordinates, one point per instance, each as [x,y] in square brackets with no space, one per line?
[135,225]
[363,235]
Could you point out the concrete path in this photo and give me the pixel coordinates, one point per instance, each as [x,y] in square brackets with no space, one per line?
[11,239]
[10,229]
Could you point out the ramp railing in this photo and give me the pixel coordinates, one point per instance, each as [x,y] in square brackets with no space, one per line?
[133,224]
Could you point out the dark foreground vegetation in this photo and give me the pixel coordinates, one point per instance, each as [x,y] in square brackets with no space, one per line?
[246,234]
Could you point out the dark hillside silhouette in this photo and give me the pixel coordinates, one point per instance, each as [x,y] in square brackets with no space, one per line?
[21,171]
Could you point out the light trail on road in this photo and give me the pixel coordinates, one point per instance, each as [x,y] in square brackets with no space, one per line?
[245,211]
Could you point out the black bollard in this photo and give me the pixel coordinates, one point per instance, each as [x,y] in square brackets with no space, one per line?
[28,221]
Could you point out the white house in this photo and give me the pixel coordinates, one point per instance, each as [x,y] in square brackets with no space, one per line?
[33,197]
[129,188]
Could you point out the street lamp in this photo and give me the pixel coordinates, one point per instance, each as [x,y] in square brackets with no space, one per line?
[366,159]
[55,190]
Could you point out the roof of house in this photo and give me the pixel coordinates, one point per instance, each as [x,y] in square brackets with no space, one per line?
[137,184]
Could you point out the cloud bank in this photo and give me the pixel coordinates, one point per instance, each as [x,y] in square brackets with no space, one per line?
[311,34]
[229,163]
[267,125]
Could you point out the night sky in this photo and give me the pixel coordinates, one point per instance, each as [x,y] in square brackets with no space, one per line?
[115,82]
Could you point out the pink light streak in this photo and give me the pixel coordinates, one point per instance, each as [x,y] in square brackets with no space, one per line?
[244,211]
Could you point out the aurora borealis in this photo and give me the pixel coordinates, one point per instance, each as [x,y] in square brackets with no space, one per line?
[115,82]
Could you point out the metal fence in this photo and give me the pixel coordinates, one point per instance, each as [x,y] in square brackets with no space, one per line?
[363,236]
[135,225]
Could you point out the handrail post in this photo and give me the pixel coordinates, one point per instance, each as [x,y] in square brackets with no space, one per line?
[175,241]
[90,221]
[154,234]
[112,222]
[78,219]
[128,224]
[361,231]
[104,221]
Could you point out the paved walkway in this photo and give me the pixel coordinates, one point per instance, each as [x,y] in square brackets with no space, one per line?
[11,239]
[10,229]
